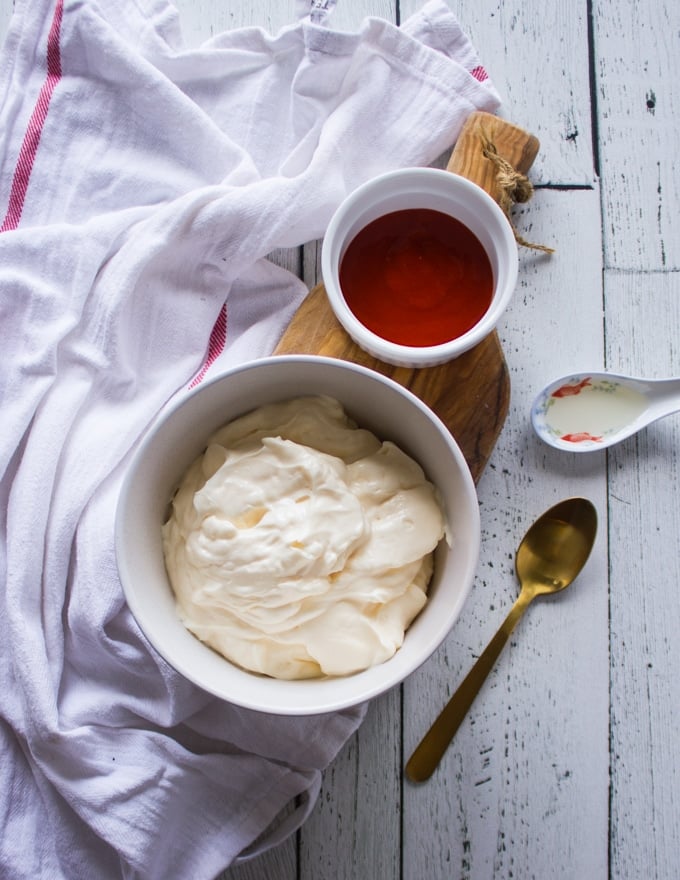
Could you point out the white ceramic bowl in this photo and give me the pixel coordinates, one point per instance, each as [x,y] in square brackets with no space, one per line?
[179,436]
[439,191]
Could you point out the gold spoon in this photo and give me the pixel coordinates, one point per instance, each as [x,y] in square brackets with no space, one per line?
[551,555]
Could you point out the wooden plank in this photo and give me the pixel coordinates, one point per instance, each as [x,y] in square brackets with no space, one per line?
[524,786]
[643,317]
[279,863]
[537,56]
[637,65]
[355,830]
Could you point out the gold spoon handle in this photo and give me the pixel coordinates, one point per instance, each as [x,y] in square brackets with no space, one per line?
[428,753]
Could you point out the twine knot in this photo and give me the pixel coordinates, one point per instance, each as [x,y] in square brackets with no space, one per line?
[515,188]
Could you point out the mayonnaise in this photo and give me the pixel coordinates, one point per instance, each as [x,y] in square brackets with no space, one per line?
[299,545]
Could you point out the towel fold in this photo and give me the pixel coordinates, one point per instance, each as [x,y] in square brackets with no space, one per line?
[142,186]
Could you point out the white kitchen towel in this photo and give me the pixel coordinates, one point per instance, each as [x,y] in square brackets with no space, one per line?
[142,185]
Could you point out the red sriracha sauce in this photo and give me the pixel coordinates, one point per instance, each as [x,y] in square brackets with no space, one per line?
[417,277]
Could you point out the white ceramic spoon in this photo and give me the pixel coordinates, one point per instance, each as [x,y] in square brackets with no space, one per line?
[588,411]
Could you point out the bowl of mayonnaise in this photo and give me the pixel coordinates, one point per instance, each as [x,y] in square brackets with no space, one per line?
[297,535]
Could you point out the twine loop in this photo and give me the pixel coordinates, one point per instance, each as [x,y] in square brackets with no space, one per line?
[515,188]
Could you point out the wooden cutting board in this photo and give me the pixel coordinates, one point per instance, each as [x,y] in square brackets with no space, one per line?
[471,394]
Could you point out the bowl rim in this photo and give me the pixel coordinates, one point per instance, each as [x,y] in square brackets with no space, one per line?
[408,355]
[293,696]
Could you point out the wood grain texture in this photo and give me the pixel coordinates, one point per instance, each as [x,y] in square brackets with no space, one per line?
[537,55]
[642,327]
[349,829]
[637,66]
[483,132]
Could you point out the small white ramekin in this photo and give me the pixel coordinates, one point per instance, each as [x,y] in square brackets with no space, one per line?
[440,191]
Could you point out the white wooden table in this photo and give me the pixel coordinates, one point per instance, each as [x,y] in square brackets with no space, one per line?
[568,764]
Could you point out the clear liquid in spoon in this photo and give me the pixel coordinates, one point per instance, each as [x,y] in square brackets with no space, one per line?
[597,409]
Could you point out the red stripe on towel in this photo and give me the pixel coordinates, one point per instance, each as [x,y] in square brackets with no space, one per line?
[218,339]
[29,147]
[479,73]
